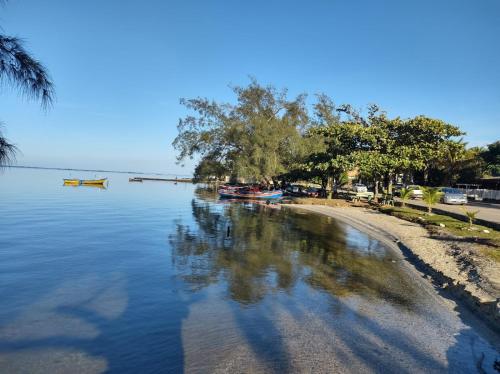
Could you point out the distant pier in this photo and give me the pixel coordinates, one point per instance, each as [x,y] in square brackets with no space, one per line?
[141,179]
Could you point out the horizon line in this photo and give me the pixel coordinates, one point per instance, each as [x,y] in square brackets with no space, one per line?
[96,170]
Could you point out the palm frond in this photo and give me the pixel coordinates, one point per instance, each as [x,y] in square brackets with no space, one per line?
[405,194]
[431,197]
[21,70]
[471,215]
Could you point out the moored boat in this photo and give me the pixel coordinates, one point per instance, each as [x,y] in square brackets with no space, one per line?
[71,182]
[248,193]
[92,182]
[85,182]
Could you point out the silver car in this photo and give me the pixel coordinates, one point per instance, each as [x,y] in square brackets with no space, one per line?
[453,196]
[416,191]
[359,187]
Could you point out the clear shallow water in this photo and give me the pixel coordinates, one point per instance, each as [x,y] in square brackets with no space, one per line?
[158,277]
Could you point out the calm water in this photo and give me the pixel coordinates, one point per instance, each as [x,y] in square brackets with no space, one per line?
[159,278]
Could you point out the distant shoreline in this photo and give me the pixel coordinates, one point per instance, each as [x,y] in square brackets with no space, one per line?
[93,170]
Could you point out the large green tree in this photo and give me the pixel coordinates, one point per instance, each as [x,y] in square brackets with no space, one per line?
[491,157]
[456,163]
[258,137]
[394,146]
[333,140]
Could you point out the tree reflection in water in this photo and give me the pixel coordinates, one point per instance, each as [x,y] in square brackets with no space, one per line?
[268,250]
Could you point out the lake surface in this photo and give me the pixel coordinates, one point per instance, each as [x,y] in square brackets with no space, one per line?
[155,277]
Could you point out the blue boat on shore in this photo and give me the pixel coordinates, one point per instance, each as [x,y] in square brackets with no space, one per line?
[246,193]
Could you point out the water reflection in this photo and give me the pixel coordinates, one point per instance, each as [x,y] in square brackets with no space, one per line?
[258,251]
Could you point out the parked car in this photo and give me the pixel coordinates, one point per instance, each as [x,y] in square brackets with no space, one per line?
[453,196]
[416,191]
[312,192]
[294,190]
[359,187]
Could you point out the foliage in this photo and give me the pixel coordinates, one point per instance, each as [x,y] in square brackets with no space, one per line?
[472,166]
[24,72]
[393,146]
[471,216]
[258,137]
[491,157]
[405,194]
[342,180]
[208,169]
[339,141]
[264,135]
[20,70]
[7,151]
[431,197]
[455,163]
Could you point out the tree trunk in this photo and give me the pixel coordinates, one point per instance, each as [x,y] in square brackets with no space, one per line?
[329,187]
[389,185]
[375,196]
[324,185]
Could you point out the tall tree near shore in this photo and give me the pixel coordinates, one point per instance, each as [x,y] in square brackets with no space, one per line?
[393,146]
[23,72]
[456,163]
[491,157]
[428,139]
[258,137]
[335,141]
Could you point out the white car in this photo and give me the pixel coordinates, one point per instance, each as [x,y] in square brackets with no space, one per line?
[416,191]
[359,187]
[453,196]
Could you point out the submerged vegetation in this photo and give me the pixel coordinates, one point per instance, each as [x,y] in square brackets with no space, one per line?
[265,136]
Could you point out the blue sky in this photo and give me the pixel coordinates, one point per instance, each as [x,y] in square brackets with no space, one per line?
[120,67]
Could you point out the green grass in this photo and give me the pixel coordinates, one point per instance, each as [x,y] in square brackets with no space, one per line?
[453,226]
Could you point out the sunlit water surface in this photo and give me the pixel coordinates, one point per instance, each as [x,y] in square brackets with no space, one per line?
[159,277]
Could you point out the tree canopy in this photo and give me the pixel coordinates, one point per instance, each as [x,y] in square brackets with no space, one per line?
[264,135]
[258,137]
[491,157]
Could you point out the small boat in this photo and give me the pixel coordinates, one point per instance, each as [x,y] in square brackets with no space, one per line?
[71,182]
[248,193]
[93,182]
[85,182]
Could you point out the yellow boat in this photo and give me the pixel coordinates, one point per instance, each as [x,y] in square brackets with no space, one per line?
[85,182]
[93,182]
[71,182]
